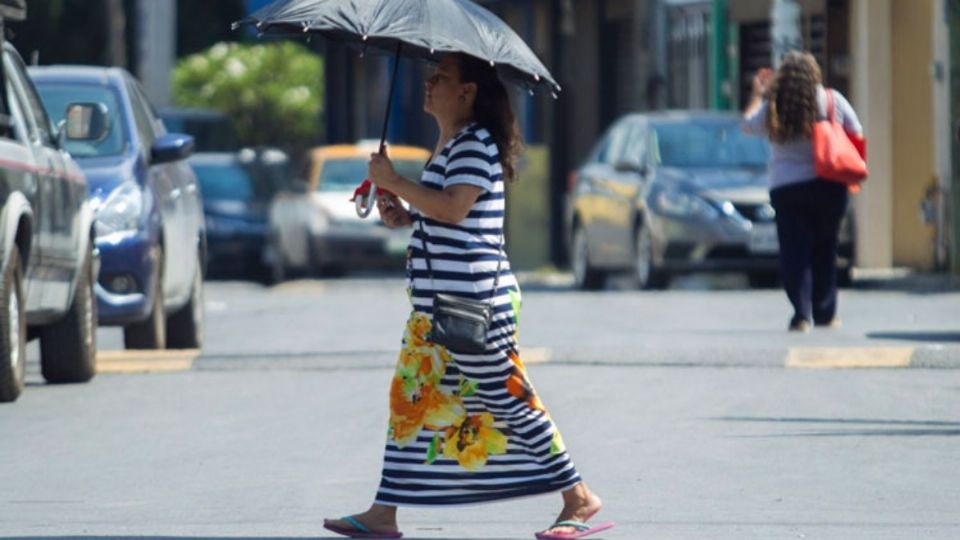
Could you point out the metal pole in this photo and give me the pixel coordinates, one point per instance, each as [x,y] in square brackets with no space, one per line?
[393,82]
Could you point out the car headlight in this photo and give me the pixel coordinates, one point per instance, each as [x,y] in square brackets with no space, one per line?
[677,203]
[120,211]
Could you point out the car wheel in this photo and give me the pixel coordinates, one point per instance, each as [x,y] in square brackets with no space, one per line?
[763,280]
[645,273]
[151,333]
[13,330]
[185,327]
[68,348]
[586,277]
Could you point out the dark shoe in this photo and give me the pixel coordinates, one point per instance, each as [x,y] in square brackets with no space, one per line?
[799,325]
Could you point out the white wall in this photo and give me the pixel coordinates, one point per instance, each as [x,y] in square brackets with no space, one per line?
[871,93]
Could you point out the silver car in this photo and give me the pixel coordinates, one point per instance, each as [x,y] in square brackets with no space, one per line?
[676,192]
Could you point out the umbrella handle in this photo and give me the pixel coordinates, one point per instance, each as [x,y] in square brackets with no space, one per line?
[364,203]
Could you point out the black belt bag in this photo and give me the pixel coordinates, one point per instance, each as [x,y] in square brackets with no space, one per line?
[460,324]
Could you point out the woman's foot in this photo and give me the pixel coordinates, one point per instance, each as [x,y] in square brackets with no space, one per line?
[378,519]
[579,504]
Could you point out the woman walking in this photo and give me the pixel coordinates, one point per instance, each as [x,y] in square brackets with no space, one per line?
[784,107]
[464,428]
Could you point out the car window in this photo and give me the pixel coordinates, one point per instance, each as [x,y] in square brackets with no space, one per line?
[707,144]
[614,146]
[41,128]
[21,130]
[57,96]
[635,147]
[142,118]
[224,182]
[342,174]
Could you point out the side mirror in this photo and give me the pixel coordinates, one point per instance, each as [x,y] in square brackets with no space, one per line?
[171,147]
[299,186]
[632,167]
[88,122]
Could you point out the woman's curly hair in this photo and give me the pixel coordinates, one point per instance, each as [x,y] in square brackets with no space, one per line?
[492,110]
[792,98]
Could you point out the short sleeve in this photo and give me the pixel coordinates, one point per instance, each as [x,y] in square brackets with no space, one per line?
[846,114]
[755,123]
[472,163]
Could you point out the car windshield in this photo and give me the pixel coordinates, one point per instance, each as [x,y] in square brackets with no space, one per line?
[345,174]
[707,144]
[224,182]
[56,97]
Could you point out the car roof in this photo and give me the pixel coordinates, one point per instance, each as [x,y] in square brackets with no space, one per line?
[677,116]
[213,158]
[363,150]
[76,73]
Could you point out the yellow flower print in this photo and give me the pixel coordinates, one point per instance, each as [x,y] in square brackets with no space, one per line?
[472,440]
[418,328]
[416,398]
[519,386]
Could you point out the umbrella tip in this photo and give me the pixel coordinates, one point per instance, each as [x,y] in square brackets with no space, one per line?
[432,50]
[306,27]
[555,96]
[492,63]
[365,37]
[234,26]
[259,25]
[536,77]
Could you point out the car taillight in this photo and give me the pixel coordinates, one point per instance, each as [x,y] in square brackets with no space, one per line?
[571,181]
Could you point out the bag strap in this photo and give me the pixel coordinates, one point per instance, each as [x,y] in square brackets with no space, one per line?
[426,256]
[831,110]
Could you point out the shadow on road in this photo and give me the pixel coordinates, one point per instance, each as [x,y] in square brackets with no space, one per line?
[907,428]
[917,336]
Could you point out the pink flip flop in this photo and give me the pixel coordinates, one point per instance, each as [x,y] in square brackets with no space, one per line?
[581,530]
[359,530]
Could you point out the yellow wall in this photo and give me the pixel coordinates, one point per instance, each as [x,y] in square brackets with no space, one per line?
[913,145]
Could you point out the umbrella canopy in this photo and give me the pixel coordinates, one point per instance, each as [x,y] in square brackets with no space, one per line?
[422,29]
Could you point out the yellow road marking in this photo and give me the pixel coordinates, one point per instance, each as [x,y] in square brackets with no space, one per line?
[535,355]
[146,361]
[849,357]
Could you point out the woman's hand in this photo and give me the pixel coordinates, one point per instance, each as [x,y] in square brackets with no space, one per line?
[392,212]
[381,171]
[761,81]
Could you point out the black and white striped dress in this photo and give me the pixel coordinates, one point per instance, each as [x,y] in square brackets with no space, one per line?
[466,428]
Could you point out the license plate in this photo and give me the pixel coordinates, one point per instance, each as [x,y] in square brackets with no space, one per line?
[763,239]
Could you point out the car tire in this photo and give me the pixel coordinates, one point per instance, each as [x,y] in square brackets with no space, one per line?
[646,275]
[152,332]
[585,276]
[185,327]
[13,330]
[68,348]
[769,279]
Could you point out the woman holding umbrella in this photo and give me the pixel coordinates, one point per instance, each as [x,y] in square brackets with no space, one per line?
[464,428]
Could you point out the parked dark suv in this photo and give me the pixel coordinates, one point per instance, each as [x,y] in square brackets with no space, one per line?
[48,261]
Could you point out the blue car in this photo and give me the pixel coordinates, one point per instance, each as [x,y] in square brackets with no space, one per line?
[149,215]
[236,195]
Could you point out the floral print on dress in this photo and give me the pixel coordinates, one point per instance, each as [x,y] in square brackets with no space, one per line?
[472,440]
[417,399]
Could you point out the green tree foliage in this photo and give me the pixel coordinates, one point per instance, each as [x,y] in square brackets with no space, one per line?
[273,92]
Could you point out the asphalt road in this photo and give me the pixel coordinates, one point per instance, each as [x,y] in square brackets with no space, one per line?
[682,409]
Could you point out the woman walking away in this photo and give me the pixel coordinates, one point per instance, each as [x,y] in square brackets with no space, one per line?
[784,107]
[464,428]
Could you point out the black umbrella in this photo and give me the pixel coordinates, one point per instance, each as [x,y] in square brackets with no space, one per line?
[412,28]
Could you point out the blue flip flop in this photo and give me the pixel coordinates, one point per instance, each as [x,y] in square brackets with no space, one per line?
[359,530]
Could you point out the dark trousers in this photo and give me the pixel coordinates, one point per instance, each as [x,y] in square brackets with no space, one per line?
[808,226]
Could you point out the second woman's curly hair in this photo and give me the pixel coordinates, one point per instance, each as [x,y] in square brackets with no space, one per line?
[492,110]
[792,98]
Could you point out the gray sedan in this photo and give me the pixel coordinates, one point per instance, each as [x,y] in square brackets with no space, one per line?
[675,192]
